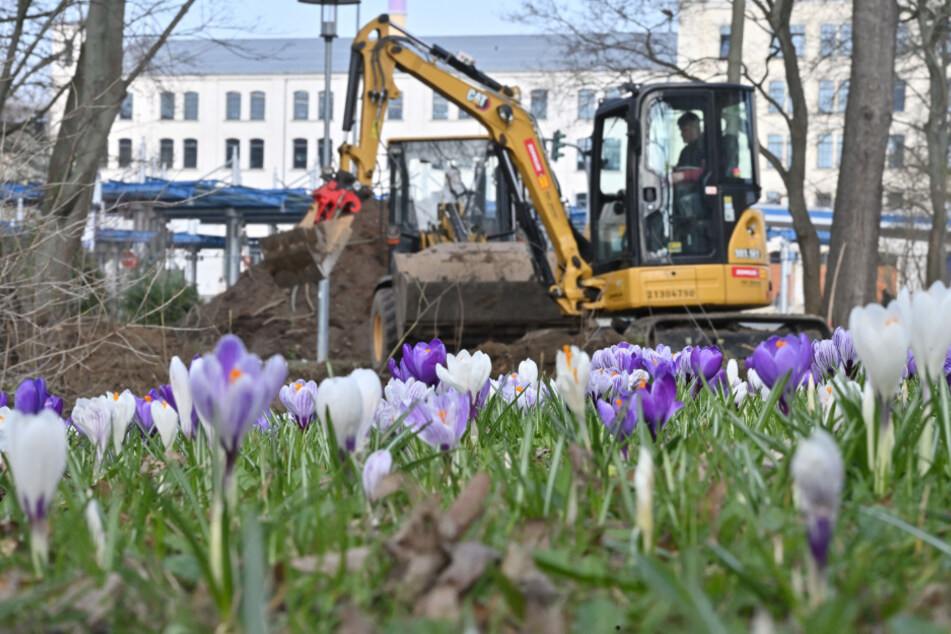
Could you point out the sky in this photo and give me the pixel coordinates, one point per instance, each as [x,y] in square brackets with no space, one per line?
[290,18]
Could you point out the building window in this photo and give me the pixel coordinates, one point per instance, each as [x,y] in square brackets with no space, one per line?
[232,150]
[774,198]
[774,143]
[586,104]
[827,40]
[901,39]
[724,42]
[894,201]
[125,152]
[540,104]
[166,152]
[300,154]
[440,107]
[899,96]
[190,154]
[584,145]
[823,199]
[256,154]
[843,95]
[895,157]
[257,105]
[168,105]
[321,143]
[798,34]
[301,104]
[826,96]
[845,40]
[824,148]
[395,110]
[323,108]
[777,95]
[191,106]
[125,110]
[233,106]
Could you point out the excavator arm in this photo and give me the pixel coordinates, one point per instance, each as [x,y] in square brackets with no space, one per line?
[380,49]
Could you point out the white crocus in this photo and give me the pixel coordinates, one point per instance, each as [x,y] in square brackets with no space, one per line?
[93,416]
[378,465]
[166,422]
[178,379]
[738,387]
[36,457]
[926,319]
[757,384]
[527,372]
[466,373]
[123,409]
[880,337]
[340,400]
[572,371]
[371,390]
[96,532]
[644,493]
[818,478]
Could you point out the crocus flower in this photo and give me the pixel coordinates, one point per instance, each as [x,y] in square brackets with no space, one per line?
[925,317]
[378,465]
[778,357]
[123,409]
[572,371]
[36,457]
[231,388]
[54,403]
[93,417]
[845,348]
[30,396]
[881,340]
[143,410]
[4,422]
[705,362]
[340,403]
[644,494]
[4,402]
[825,357]
[466,373]
[371,392]
[399,397]
[441,420]
[659,360]
[520,387]
[818,477]
[659,403]
[96,533]
[181,397]
[419,362]
[165,419]
[299,398]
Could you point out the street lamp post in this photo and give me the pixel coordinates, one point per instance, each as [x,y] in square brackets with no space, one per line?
[328,31]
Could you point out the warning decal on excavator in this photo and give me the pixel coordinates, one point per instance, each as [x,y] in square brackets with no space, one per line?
[749,272]
[532,149]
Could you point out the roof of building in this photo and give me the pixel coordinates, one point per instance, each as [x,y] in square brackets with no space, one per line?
[291,56]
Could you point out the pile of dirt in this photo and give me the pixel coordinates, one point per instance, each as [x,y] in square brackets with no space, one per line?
[273,320]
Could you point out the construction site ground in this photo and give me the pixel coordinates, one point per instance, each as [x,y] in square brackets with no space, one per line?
[272,320]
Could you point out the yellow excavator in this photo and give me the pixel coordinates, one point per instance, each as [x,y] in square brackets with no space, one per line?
[675,243]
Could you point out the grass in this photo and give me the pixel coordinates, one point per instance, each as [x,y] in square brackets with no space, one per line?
[730,549]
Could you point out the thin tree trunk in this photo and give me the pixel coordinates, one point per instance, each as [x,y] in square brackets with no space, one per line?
[734,60]
[856,221]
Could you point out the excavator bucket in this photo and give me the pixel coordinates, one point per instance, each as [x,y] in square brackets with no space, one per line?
[306,254]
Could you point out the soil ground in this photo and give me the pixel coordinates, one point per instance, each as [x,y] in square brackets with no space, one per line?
[272,320]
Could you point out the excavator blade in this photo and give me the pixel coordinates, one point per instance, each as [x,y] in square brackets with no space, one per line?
[306,254]
[471,289]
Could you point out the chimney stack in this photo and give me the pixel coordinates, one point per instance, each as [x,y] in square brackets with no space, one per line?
[397,11]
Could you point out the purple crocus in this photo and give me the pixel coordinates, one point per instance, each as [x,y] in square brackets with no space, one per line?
[778,357]
[658,403]
[658,361]
[419,362]
[143,410]
[30,396]
[825,356]
[4,401]
[705,363]
[299,399]
[441,420]
[848,358]
[231,389]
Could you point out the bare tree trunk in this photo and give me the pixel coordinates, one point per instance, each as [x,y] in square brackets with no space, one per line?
[734,60]
[856,223]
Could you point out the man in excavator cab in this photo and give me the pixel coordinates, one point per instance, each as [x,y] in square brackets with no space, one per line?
[690,214]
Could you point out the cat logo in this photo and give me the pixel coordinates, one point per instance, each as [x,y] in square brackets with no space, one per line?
[480,100]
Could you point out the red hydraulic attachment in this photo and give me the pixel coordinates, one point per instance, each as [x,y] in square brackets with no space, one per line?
[332,200]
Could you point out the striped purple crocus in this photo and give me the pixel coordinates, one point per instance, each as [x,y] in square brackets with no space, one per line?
[780,357]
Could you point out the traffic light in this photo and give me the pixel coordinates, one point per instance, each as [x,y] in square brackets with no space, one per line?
[557,145]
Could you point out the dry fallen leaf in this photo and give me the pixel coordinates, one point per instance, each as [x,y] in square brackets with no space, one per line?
[354,621]
[467,507]
[329,563]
